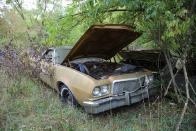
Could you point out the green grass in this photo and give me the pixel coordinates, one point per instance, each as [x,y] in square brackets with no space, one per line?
[29,105]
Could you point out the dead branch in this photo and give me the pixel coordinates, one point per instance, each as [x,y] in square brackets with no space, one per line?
[18,62]
[192,87]
[182,115]
[187,95]
[170,83]
[185,72]
[172,74]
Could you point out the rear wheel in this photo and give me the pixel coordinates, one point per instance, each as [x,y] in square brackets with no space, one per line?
[67,96]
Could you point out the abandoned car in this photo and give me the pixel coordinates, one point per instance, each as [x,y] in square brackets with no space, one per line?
[87,75]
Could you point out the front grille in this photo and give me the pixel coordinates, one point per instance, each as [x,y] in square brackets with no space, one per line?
[127,85]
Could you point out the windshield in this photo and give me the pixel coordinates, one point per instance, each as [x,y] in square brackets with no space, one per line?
[60,54]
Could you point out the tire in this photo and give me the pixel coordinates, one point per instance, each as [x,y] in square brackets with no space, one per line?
[67,96]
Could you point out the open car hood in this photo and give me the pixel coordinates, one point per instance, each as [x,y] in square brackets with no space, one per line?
[103,41]
[152,59]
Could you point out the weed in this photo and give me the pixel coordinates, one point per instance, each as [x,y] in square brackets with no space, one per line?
[29,105]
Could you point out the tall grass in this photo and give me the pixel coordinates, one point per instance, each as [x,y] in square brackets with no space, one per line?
[29,105]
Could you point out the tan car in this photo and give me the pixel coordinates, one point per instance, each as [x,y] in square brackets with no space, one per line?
[89,75]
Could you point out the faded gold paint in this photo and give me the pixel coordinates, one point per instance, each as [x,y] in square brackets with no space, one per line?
[81,84]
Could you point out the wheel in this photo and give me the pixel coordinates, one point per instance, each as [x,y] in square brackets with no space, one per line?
[67,96]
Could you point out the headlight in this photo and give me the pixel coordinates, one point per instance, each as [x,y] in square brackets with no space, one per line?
[96,91]
[101,90]
[149,79]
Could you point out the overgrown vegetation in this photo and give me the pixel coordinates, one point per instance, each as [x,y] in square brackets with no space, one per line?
[168,25]
[29,105]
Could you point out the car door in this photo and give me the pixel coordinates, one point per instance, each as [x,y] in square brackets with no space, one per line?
[47,67]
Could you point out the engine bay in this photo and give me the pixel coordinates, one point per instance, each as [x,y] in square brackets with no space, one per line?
[102,70]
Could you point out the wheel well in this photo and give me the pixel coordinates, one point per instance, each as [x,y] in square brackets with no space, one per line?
[59,85]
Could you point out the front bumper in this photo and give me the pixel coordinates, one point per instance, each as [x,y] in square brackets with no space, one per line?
[112,102]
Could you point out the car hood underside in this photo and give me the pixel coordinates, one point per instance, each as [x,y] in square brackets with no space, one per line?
[103,41]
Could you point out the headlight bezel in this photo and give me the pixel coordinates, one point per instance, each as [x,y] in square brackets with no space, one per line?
[103,90]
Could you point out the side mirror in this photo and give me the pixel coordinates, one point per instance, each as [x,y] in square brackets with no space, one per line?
[48,55]
[43,54]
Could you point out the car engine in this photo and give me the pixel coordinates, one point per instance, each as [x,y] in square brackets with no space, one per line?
[102,70]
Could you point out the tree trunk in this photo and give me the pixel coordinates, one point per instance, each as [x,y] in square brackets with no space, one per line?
[187,96]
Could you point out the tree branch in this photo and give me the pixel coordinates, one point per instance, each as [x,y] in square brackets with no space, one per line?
[165,52]
[185,71]
[106,11]
[170,84]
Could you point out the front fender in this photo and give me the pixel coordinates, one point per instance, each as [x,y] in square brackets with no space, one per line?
[80,84]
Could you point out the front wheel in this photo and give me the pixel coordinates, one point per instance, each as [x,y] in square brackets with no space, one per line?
[67,96]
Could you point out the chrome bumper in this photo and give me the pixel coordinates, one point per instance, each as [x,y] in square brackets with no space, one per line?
[112,102]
